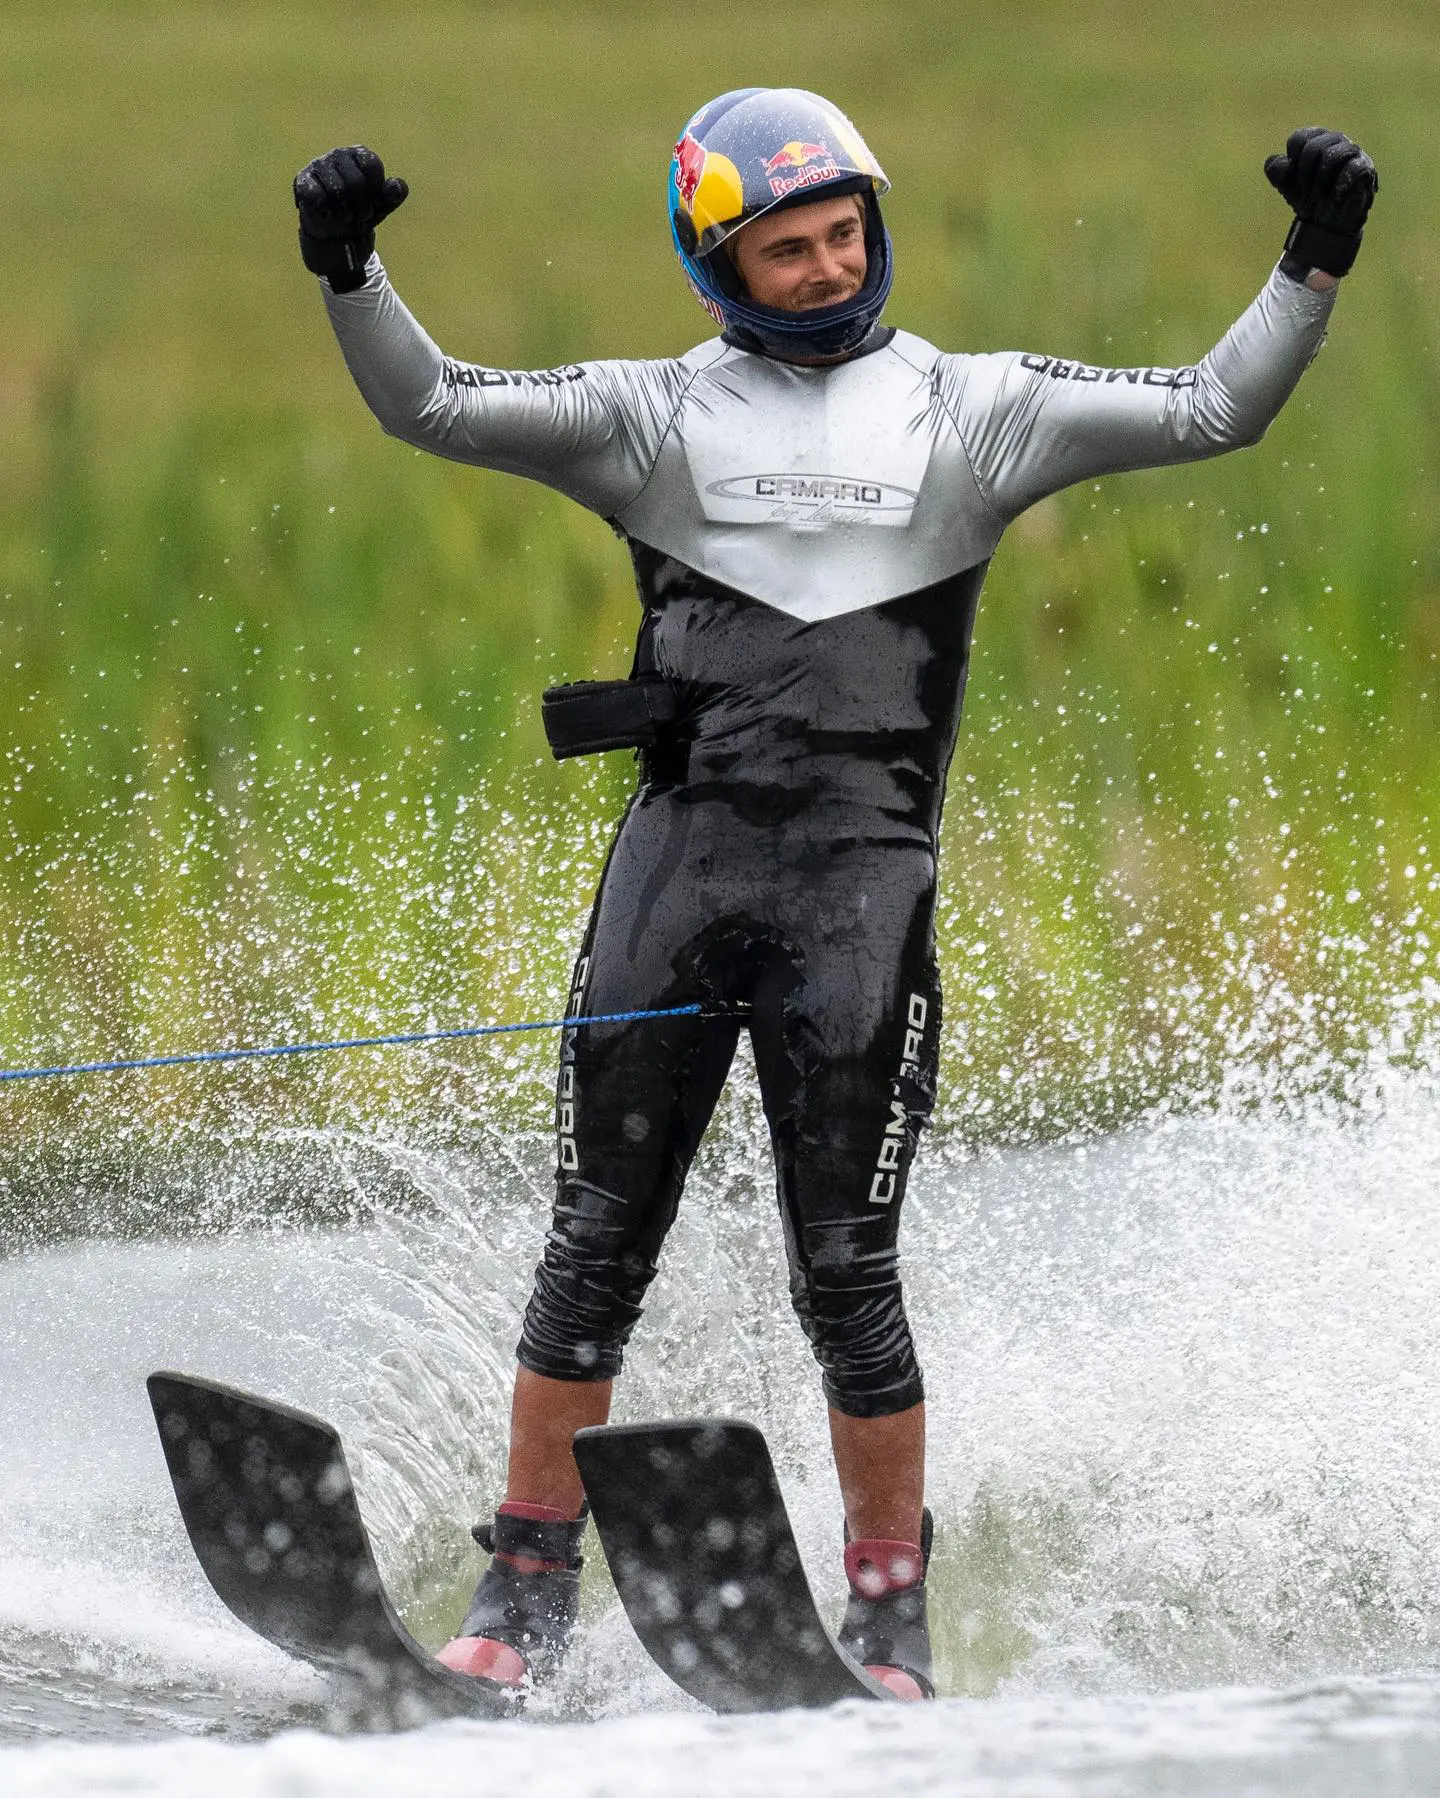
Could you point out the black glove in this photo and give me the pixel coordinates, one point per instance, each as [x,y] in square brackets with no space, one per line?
[1330,182]
[342,197]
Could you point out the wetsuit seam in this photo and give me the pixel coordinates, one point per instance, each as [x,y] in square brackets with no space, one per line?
[959,430]
[680,399]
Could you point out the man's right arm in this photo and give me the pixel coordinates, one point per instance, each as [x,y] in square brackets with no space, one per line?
[591,430]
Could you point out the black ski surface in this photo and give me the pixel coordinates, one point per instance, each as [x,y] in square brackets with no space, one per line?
[267,1500]
[694,1527]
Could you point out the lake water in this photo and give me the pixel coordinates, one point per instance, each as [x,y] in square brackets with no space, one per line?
[1184,1396]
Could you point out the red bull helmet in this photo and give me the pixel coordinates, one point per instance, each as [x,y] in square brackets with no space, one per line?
[753,151]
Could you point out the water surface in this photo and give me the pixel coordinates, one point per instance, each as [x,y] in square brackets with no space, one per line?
[1185,1457]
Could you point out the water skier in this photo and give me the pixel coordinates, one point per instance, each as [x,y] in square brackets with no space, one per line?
[810,500]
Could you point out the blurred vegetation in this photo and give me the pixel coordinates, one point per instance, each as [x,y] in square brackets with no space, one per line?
[270,762]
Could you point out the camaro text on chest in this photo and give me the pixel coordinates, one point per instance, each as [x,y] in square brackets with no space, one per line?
[852,493]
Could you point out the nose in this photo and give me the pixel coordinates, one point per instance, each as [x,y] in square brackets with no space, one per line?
[828,264]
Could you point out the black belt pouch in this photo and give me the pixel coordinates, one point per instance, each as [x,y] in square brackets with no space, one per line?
[591,715]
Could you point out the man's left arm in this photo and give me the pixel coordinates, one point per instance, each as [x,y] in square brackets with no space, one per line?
[1035,424]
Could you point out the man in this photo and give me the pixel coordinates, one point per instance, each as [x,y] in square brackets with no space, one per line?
[811,501]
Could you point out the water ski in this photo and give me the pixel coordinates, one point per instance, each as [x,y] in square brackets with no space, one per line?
[267,1500]
[695,1530]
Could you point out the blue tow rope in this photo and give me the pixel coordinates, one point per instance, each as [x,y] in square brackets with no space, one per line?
[349,1042]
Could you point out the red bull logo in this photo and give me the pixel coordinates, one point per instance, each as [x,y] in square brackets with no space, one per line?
[795,155]
[689,166]
[799,164]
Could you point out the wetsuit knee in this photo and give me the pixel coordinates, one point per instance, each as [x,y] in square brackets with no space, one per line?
[589,1289]
[845,1131]
[848,1299]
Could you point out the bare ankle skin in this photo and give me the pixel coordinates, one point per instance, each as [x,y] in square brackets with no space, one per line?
[881,1464]
[544,1416]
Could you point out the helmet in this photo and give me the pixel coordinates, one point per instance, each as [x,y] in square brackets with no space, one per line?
[753,151]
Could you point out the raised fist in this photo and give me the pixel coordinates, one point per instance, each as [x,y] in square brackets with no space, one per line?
[341,197]
[1330,182]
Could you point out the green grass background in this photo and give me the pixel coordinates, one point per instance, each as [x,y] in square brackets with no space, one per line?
[270,761]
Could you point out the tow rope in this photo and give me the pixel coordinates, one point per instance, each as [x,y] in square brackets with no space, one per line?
[396,1040]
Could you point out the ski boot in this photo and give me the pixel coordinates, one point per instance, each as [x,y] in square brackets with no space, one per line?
[524,1609]
[885,1626]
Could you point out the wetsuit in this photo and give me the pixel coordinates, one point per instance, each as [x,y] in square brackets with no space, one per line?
[809,545]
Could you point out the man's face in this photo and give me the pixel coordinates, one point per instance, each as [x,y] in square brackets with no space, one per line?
[803,256]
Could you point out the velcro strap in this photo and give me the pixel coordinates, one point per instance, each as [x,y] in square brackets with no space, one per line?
[527,1539]
[588,716]
[341,260]
[1312,246]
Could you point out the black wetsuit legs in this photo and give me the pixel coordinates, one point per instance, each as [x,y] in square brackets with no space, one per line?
[825,938]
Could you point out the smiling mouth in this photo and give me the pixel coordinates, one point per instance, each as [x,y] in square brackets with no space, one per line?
[831,297]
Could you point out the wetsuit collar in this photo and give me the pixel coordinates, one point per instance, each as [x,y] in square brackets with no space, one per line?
[740,339]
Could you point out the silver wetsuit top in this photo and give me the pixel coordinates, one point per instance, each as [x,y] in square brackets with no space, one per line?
[819,490]
[810,542]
